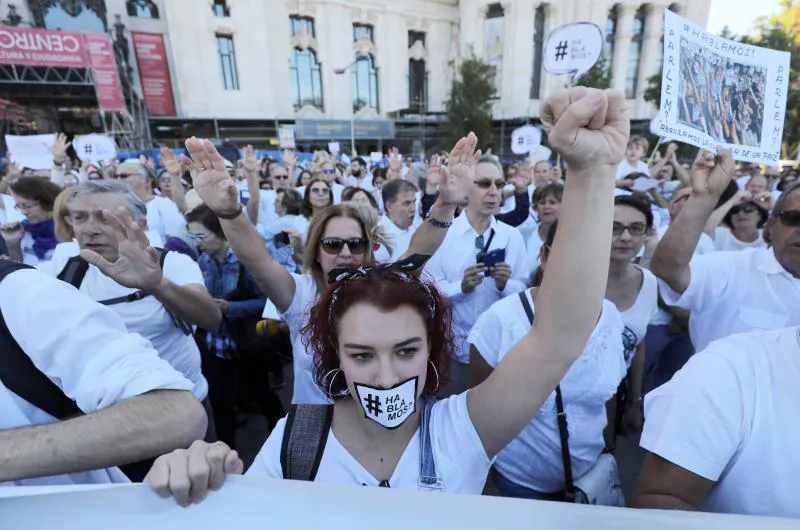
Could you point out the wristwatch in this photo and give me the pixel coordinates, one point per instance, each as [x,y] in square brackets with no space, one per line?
[231,216]
[439,223]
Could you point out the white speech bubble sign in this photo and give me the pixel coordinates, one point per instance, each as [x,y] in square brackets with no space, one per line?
[573,49]
[525,140]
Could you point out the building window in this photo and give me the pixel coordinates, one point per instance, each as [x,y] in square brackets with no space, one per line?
[417,85]
[142,8]
[414,36]
[220,8]
[306,79]
[298,23]
[362,31]
[635,55]
[71,15]
[365,83]
[227,62]
[538,40]
[493,33]
[611,37]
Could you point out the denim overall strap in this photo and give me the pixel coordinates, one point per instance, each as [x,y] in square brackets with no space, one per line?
[428,479]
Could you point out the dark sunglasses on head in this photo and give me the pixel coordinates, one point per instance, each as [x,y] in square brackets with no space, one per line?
[334,245]
[486,184]
[747,208]
[790,218]
[635,229]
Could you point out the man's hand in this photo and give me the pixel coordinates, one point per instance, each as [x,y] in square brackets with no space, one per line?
[250,163]
[169,161]
[589,127]
[765,200]
[711,175]
[12,232]
[501,274]
[672,152]
[289,158]
[632,420]
[222,304]
[524,175]
[473,276]
[211,180]
[137,264]
[458,176]
[59,148]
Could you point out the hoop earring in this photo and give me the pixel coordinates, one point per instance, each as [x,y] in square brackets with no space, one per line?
[435,371]
[335,372]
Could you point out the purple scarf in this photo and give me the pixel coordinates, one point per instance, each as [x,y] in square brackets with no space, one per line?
[44,236]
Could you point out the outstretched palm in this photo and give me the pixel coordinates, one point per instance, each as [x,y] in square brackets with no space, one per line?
[711,175]
[169,161]
[211,180]
[459,175]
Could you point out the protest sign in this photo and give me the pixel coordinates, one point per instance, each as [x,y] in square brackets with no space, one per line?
[573,49]
[541,153]
[525,140]
[32,151]
[376,157]
[644,184]
[94,147]
[719,92]
[286,137]
[334,147]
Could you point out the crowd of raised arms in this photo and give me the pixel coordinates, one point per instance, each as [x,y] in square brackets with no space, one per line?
[454,323]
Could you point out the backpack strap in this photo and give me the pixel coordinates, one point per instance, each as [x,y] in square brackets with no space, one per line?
[74,271]
[22,377]
[428,478]
[304,439]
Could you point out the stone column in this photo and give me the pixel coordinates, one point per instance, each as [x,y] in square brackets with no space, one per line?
[622,44]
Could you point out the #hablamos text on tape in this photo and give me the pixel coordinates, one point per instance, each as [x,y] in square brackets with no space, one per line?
[719,92]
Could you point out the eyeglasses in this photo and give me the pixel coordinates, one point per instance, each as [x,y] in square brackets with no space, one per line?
[334,245]
[486,184]
[790,218]
[635,229]
[280,177]
[123,175]
[320,191]
[747,208]
[197,237]
[327,171]
[23,207]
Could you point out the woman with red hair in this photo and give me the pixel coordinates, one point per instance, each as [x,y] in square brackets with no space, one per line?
[381,340]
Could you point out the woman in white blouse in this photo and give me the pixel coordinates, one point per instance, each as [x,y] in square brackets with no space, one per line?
[531,466]
[546,203]
[383,330]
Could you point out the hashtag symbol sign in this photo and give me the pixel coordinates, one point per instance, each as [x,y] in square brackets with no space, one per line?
[561,50]
[373,405]
[87,149]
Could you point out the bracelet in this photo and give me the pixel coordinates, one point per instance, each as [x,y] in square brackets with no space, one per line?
[440,224]
[231,216]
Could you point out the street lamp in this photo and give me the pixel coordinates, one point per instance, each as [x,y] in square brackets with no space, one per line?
[342,71]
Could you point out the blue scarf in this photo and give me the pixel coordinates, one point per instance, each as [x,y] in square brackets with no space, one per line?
[44,236]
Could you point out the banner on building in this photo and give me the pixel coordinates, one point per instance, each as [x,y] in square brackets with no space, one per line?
[105,72]
[41,47]
[332,130]
[151,59]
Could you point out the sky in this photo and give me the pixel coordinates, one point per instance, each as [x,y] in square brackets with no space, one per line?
[739,15]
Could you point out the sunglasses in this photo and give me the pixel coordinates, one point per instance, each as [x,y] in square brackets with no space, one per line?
[280,177]
[327,171]
[747,208]
[636,229]
[334,245]
[790,218]
[486,184]
[123,175]
[320,191]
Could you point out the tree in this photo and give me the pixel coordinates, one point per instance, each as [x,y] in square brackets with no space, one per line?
[652,93]
[468,106]
[599,76]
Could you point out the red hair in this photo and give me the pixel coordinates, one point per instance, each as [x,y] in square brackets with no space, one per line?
[385,289]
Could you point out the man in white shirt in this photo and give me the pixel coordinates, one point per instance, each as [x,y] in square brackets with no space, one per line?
[400,220]
[470,284]
[126,274]
[358,176]
[730,292]
[163,215]
[137,406]
[722,435]
[263,213]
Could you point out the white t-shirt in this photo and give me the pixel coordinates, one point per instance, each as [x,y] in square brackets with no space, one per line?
[29,257]
[725,240]
[306,391]
[534,245]
[164,217]
[148,317]
[638,316]
[730,416]
[533,458]
[401,239]
[624,169]
[461,461]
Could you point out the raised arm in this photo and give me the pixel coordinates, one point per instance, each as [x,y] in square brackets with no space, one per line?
[170,162]
[715,219]
[251,172]
[218,191]
[710,177]
[590,128]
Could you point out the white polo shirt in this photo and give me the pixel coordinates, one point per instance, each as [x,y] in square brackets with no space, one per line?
[730,416]
[458,252]
[736,292]
[85,349]
[164,217]
[401,239]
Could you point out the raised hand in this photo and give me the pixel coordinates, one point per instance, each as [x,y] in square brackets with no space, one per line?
[169,161]
[137,264]
[589,127]
[524,175]
[712,174]
[250,162]
[59,148]
[210,178]
[458,176]
[188,474]
[12,232]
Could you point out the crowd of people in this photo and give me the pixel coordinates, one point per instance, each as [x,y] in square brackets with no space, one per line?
[453,324]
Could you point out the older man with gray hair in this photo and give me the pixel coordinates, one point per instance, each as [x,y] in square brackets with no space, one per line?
[159,295]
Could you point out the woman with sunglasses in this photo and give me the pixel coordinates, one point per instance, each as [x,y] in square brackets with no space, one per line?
[743,220]
[338,237]
[317,196]
[381,341]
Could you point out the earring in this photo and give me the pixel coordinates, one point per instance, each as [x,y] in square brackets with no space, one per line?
[335,372]
[435,371]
